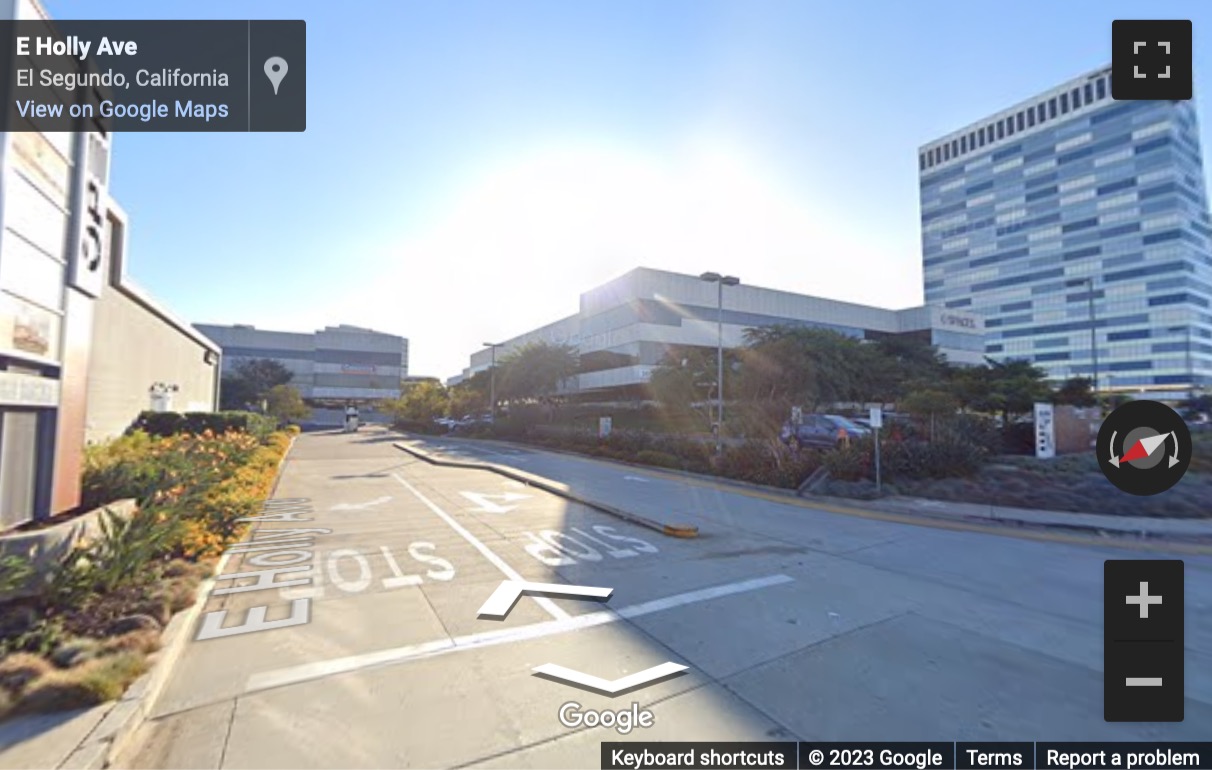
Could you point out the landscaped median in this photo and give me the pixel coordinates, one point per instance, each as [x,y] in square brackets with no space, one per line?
[80,632]
[961,460]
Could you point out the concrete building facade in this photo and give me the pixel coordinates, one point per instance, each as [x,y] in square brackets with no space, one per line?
[1068,197]
[331,366]
[72,344]
[173,368]
[625,327]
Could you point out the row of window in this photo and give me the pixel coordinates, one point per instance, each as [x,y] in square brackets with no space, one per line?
[1009,126]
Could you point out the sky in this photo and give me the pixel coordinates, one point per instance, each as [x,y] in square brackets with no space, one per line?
[470,168]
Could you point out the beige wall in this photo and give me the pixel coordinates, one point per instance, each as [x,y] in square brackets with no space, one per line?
[134,348]
[136,344]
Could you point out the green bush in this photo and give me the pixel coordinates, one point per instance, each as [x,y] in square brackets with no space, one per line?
[849,462]
[418,426]
[916,459]
[659,459]
[162,424]
[766,463]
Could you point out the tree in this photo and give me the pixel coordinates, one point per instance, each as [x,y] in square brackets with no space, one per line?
[470,395]
[796,366]
[687,376]
[1008,388]
[263,374]
[251,382]
[535,371]
[1075,391]
[910,364]
[421,402]
[285,403]
[236,393]
[928,405]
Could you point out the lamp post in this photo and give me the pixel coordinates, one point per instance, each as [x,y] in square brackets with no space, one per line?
[1089,281]
[720,281]
[492,380]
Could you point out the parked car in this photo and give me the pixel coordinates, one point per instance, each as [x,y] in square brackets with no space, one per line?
[821,431]
[850,425]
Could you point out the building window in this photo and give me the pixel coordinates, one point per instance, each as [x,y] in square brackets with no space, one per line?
[1052,107]
[980,136]
[955,148]
[1101,88]
[1001,129]
[1089,93]
[963,144]
[1064,103]
[1040,112]
[972,141]
[1030,118]
[1018,119]
[946,152]
[921,163]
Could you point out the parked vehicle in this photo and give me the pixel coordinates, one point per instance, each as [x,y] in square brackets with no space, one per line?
[821,431]
[851,426]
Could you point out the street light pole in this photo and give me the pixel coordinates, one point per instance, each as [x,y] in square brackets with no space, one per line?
[721,281]
[492,380]
[1093,344]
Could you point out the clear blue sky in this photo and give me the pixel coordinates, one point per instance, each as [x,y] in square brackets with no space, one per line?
[470,167]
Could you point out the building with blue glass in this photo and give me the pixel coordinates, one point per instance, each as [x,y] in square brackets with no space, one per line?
[1069,197]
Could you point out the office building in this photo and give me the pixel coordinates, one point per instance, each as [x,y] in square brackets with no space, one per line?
[1027,212]
[625,327]
[330,367]
[82,350]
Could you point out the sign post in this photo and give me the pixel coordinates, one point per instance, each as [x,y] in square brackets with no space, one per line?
[877,422]
[1045,432]
[604,426]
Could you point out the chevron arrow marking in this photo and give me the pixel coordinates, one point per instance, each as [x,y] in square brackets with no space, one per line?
[507,594]
[630,682]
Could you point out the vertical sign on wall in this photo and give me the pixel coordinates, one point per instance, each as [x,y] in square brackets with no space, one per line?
[1045,431]
[86,251]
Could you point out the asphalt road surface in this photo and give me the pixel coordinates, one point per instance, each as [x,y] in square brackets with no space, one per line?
[792,623]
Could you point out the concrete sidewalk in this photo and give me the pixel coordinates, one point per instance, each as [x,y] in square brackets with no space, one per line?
[1092,523]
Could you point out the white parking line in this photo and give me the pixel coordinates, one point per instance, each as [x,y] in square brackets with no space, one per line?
[309,671]
[552,608]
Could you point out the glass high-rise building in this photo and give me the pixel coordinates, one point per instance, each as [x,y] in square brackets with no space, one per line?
[1027,212]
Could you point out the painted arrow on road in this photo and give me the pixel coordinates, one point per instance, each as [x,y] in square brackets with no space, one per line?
[618,686]
[507,594]
[360,506]
[485,502]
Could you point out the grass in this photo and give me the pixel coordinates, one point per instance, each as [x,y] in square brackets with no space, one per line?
[21,668]
[89,684]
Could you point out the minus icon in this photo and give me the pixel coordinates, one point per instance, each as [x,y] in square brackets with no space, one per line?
[1144,681]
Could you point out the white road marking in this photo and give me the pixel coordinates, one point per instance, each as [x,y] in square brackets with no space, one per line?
[609,686]
[636,478]
[310,671]
[485,503]
[507,594]
[547,604]
[360,506]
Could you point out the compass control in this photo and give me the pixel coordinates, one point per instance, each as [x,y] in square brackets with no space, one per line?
[1144,447]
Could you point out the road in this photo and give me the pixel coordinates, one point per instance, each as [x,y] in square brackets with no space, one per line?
[793,623]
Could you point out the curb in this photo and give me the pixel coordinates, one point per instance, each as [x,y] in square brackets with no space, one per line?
[561,490]
[892,510]
[114,734]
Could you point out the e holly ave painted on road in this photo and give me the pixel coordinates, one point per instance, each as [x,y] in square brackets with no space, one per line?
[293,552]
[279,551]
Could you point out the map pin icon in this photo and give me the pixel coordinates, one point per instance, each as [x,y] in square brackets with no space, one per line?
[275,70]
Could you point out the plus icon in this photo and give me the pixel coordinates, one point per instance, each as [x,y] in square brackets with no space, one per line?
[1151,59]
[1144,600]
